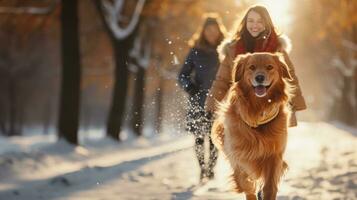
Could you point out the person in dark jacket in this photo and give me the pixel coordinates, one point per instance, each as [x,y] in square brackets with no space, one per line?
[196,77]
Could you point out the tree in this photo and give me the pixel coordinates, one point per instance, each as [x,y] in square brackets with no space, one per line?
[122,41]
[140,59]
[326,52]
[68,121]
[21,63]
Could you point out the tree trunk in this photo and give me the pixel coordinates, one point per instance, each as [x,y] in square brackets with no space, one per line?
[47,115]
[355,96]
[121,50]
[12,108]
[345,104]
[19,120]
[158,100]
[117,107]
[4,111]
[2,121]
[137,121]
[70,87]
[354,40]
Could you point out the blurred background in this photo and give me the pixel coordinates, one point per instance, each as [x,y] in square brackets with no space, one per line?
[76,68]
[90,106]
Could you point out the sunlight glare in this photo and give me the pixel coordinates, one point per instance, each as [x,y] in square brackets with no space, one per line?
[280,12]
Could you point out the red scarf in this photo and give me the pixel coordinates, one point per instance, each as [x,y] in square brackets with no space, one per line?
[262,44]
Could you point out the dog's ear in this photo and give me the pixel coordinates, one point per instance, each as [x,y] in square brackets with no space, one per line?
[279,59]
[238,67]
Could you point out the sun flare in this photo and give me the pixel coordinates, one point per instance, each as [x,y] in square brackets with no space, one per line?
[280,12]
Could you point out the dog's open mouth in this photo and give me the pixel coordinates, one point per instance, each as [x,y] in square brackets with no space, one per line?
[261,90]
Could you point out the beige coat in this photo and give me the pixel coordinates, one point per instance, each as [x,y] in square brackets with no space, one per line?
[222,81]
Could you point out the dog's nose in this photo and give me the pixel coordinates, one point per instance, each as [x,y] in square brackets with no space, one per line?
[260,78]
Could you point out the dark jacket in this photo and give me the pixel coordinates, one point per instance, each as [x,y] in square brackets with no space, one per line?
[198,73]
[196,77]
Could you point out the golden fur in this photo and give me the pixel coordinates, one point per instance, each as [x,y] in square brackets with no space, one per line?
[255,154]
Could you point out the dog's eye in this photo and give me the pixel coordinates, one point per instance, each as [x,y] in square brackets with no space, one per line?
[270,67]
[252,67]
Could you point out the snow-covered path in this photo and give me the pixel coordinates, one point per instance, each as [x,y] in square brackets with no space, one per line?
[322,160]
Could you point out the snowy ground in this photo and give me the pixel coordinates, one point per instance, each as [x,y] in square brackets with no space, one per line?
[322,159]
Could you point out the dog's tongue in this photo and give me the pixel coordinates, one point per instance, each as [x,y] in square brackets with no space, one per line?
[260,91]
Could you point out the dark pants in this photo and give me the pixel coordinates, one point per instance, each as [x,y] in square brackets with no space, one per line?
[206,171]
[200,124]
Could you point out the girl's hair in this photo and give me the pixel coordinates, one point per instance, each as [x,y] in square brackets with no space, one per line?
[241,31]
[198,39]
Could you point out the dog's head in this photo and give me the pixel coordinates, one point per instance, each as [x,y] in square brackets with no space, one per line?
[261,74]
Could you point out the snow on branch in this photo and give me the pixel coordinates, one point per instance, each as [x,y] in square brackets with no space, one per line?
[344,69]
[113,16]
[163,72]
[349,44]
[140,54]
[166,74]
[348,66]
[29,10]
[132,67]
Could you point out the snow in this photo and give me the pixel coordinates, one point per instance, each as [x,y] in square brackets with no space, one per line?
[144,59]
[29,10]
[113,16]
[321,157]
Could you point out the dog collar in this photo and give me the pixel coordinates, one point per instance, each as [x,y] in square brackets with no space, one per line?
[264,118]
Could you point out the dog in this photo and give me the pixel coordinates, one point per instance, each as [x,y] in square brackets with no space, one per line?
[251,123]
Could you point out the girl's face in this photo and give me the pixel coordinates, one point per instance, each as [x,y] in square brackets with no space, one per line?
[255,24]
[211,33]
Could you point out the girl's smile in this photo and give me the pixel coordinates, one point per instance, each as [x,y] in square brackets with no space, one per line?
[255,24]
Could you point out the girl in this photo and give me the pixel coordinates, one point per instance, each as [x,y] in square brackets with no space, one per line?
[256,33]
[196,78]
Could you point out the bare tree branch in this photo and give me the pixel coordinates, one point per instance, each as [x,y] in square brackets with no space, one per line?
[140,54]
[349,44]
[113,16]
[29,10]
[342,67]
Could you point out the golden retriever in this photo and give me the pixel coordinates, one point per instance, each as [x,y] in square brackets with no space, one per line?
[251,124]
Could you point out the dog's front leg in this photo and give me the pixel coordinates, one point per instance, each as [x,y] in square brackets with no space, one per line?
[273,171]
[244,184]
[250,197]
